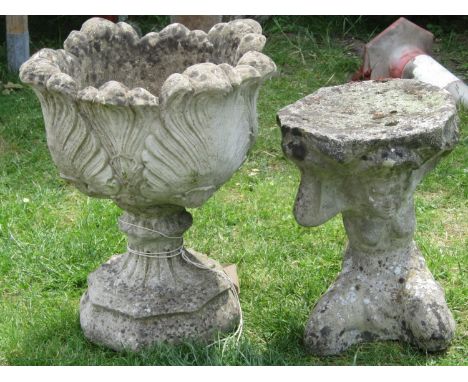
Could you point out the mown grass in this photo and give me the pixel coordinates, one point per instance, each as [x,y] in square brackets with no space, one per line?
[52,236]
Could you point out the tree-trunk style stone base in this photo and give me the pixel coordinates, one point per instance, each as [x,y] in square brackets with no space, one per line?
[362,149]
[391,297]
[128,306]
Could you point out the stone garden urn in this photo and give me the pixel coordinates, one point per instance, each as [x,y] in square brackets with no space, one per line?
[362,149]
[157,124]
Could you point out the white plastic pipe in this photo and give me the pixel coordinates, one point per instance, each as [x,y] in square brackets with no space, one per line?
[424,68]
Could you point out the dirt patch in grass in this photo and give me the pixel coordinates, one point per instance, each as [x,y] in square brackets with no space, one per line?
[452,219]
[233,195]
[455,227]
[6,147]
[68,211]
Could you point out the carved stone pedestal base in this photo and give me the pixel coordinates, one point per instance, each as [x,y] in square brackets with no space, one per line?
[191,307]
[137,299]
[390,297]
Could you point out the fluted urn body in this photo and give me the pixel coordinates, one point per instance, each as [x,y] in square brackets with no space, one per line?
[156,124]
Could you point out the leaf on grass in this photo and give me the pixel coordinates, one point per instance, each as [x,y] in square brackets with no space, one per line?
[11,85]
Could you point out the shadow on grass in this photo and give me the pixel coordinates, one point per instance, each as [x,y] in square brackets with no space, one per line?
[57,339]
[61,342]
[46,331]
[52,336]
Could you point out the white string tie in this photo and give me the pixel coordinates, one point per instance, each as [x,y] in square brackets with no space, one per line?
[157,255]
[150,230]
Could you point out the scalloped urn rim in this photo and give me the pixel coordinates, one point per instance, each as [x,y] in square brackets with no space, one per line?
[44,68]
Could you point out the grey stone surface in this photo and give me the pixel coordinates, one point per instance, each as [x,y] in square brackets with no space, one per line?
[362,149]
[156,124]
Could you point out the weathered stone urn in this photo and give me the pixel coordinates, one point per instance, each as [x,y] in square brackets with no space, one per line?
[156,124]
[362,149]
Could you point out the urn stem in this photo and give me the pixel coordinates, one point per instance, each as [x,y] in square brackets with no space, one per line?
[156,233]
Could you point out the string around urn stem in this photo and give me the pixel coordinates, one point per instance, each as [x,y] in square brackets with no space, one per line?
[150,230]
[181,251]
[157,255]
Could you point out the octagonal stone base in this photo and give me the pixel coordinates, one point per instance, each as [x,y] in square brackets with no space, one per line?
[125,314]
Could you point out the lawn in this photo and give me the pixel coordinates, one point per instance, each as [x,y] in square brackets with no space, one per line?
[52,236]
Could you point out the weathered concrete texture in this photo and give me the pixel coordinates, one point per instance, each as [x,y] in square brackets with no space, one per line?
[120,332]
[135,302]
[362,149]
[156,124]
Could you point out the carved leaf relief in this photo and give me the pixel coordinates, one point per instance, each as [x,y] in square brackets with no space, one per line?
[78,155]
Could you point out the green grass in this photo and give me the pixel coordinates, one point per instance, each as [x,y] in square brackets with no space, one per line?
[52,236]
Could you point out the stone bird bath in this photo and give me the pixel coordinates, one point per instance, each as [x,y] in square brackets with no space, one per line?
[362,149]
[156,124]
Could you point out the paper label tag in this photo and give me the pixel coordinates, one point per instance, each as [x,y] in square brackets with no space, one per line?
[231,272]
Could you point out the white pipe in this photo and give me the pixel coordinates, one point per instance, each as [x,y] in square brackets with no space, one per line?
[424,68]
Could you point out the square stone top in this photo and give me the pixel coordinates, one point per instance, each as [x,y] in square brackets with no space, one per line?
[348,121]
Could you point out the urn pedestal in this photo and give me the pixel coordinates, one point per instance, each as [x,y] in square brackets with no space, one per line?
[157,124]
[362,149]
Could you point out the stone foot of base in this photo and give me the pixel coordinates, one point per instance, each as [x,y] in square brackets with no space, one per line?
[188,304]
[377,299]
[121,332]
